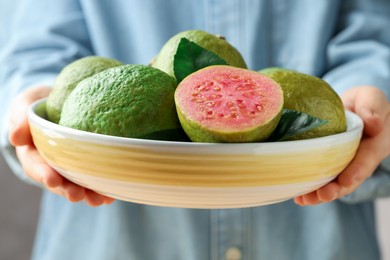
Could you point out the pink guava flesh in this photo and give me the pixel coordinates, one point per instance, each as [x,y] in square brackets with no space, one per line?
[225,99]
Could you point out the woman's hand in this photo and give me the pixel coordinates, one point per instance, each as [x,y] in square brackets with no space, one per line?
[33,164]
[373,107]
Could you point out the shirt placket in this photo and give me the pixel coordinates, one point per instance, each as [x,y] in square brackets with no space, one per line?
[230,234]
[230,231]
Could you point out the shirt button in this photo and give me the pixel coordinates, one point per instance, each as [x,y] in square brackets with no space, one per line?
[233,253]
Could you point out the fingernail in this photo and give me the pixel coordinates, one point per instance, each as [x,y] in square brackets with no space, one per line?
[11,129]
[355,180]
[335,196]
[368,113]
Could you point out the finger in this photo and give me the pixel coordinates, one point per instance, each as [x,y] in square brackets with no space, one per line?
[348,190]
[108,200]
[370,104]
[93,199]
[309,199]
[36,168]
[19,129]
[73,192]
[361,167]
[348,99]
[329,192]
[298,200]
[50,178]
[373,121]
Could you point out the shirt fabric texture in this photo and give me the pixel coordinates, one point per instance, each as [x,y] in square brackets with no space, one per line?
[347,43]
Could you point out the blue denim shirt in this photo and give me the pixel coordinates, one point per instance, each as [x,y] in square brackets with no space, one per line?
[345,42]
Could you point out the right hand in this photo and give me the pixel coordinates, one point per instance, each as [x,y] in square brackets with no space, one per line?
[33,164]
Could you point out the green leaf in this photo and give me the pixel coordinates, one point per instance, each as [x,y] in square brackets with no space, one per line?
[191,57]
[293,123]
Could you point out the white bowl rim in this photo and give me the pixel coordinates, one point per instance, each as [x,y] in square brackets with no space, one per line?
[354,127]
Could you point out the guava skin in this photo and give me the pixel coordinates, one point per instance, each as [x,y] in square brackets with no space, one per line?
[131,100]
[70,76]
[311,95]
[214,43]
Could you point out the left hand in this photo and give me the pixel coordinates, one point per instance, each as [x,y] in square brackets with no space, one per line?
[34,165]
[372,106]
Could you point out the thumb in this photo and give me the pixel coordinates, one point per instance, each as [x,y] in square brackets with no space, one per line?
[372,119]
[19,129]
[369,104]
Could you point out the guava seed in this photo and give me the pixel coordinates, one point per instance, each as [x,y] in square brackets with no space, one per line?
[210,104]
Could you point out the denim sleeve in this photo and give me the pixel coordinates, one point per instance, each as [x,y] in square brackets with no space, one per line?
[360,55]
[41,38]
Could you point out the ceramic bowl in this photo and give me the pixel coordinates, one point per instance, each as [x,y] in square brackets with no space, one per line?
[193,175]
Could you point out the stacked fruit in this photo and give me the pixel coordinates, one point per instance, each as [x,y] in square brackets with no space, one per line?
[197,88]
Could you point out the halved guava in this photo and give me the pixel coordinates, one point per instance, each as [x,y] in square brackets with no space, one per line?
[227,104]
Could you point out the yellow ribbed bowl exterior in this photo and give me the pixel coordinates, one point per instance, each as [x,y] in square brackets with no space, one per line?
[191,174]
